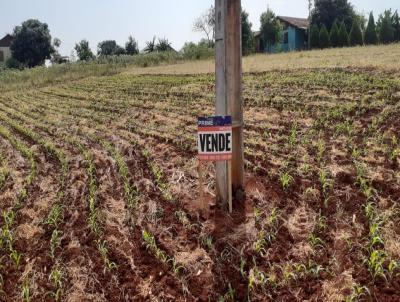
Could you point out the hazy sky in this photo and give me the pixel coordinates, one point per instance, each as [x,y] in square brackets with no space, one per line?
[97,20]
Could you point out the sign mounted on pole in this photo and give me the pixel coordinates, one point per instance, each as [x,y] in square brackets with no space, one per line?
[215,138]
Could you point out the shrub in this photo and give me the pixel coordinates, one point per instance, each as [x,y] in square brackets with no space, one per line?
[356,37]
[334,35]
[343,36]
[14,64]
[202,50]
[314,39]
[371,37]
[324,41]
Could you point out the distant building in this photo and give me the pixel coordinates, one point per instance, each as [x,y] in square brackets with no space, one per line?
[294,36]
[5,52]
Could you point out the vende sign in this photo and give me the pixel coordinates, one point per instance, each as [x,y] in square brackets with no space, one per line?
[215,138]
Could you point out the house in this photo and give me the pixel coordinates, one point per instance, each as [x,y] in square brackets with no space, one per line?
[294,36]
[5,52]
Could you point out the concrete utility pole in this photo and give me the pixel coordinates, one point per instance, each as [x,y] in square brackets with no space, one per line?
[228,73]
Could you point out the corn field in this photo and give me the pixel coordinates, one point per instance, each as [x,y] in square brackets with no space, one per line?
[99,190]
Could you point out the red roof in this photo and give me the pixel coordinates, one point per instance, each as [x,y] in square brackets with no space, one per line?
[296,22]
[6,41]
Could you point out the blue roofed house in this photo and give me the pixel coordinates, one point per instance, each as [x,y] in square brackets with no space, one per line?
[294,36]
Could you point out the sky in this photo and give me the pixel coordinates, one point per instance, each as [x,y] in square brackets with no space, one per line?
[98,20]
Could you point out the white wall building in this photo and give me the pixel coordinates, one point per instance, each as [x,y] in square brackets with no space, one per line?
[5,52]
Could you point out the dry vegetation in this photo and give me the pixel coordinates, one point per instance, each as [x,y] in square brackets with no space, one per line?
[383,56]
[98,189]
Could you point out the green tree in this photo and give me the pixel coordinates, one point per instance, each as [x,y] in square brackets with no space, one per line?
[396,26]
[150,46]
[32,43]
[247,34]
[83,51]
[385,27]
[56,57]
[324,41]
[327,11]
[163,45]
[314,39]
[109,48]
[334,35]
[343,36]
[356,36]
[371,37]
[131,47]
[271,29]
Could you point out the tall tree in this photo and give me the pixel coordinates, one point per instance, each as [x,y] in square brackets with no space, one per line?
[247,34]
[150,46]
[314,37]
[131,46]
[334,34]
[327,11]
[32,43]
[83,51]
[56,57]
[371,37]
[206,24]
[163,45]
[109,48]
[396,26]
[324,41]
[385,27]
[356,36]
[343,36]
[271,28]
[310,6]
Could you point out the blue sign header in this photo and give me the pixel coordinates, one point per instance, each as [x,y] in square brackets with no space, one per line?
[215,121]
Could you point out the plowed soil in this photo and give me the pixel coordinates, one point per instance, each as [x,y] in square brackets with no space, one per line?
[113,211]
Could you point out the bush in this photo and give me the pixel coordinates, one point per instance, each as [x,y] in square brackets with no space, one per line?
[324,41]
[202,50]
[371,37]
[14,64]
[343,36]
[334,35]
[314,39]
[356,36]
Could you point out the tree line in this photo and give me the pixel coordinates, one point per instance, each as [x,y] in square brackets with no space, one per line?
[334,23]
[32,45]
[355,31]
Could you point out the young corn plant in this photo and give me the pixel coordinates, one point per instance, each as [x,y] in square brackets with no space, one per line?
[54,242]
[131,192]
[183,218]
[358,293]
[55,277]
[375,263]
[103,250]
[162,256]
[4,172]
[326,185]
[286,180]
[269,230]
[26,291]
[158,175]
